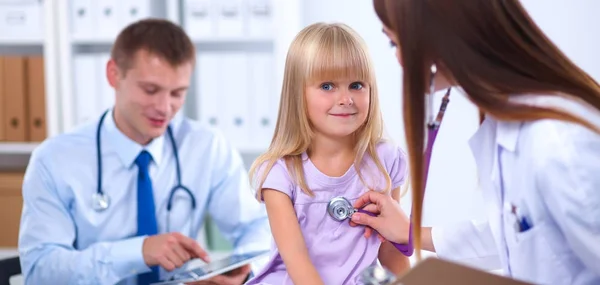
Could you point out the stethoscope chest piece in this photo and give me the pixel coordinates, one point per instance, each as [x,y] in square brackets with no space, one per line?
[100,201]
[376,275]
[339,208]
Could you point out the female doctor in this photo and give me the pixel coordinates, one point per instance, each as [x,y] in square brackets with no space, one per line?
[537,151]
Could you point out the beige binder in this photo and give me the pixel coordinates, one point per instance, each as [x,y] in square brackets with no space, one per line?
[14,98]
[36,99]
[2,116]
[437,271]
[11,203]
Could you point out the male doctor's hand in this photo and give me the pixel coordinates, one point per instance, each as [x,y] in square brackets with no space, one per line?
[390,221]
[171,250]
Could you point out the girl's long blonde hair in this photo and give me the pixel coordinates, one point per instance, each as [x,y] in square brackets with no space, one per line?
[320,51]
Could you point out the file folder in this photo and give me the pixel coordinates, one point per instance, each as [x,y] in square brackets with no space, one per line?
[438,271]
[107,24]
[260,15]
[264,99]
[21,21]
[106,96]
[234,107]
[36,99]
[2,116]
[199,19]
[230,23]
[86,87]
[82,18]
[208,88]
[14,99]
[130,11]
[11,203]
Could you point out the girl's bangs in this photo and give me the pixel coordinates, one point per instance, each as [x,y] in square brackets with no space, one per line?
[337,58]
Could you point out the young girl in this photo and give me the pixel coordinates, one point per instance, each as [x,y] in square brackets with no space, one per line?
[327,143]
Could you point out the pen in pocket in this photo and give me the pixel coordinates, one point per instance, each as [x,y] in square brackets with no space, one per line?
[522,222]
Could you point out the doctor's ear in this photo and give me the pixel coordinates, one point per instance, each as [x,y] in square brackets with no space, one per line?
[113,73]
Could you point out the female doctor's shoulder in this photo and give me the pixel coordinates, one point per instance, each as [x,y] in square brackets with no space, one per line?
[554,140]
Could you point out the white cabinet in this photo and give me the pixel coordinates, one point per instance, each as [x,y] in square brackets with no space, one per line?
[241,50]
[234,40]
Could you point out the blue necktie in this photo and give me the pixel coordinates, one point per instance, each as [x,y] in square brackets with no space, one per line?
[146,213]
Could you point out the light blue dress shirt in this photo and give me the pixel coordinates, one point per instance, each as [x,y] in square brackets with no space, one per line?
[63,240]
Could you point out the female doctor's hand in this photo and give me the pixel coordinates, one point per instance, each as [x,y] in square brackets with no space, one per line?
[390,221]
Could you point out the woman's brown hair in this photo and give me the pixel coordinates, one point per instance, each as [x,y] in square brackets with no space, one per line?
[491,49]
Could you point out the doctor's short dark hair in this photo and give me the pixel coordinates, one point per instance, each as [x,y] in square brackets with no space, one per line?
[159,37]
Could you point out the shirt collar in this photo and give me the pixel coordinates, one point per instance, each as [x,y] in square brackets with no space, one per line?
[126,148]
[507,134]
[502,133]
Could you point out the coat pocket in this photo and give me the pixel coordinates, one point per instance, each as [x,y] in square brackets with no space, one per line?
[532,258]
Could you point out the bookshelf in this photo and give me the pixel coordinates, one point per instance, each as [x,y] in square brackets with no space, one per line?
[60,33]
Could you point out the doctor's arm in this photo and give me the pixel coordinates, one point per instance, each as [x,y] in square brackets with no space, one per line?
[570,185]
[389,256]
[466,242]
[47,236]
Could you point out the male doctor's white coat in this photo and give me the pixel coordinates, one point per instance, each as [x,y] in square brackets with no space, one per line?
[549,172]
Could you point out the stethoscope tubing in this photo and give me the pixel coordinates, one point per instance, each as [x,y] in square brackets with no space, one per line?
[103,199]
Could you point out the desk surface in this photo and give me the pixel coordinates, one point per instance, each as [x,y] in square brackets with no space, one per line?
[8,252]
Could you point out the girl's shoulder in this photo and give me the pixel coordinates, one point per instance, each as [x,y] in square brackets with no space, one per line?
[282,168]
[390,153]
[393,159]
[277,167]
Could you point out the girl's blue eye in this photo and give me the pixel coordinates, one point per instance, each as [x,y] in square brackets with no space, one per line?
[392,44]
[327,86]
[356,85]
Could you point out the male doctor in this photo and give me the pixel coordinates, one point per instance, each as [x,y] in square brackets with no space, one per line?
[74,233]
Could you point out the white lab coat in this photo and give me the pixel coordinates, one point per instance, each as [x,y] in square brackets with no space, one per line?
[550,171]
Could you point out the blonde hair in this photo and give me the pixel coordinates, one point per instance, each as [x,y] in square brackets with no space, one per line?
[320,51]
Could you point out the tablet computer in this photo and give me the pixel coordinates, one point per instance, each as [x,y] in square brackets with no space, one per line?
[214,268]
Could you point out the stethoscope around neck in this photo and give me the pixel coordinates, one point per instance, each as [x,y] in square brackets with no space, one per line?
[101,201]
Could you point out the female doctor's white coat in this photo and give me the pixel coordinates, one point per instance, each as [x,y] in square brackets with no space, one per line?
[549,172]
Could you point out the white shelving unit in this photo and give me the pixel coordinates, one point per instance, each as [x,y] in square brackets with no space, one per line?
[17,148]
[87,29]
[63,44]
[241,46]
[67,41]
[59,35]
[26,28]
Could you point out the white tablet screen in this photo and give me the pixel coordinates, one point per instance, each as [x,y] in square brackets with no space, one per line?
[214,268]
